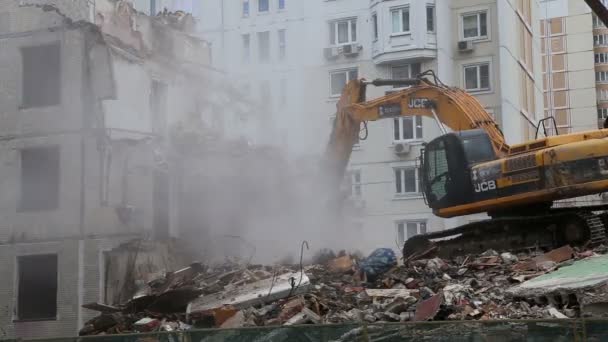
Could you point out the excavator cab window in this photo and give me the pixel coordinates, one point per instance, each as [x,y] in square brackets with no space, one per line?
[446,180]
[477,146]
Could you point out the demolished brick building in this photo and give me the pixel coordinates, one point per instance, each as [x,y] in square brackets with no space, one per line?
[87,99]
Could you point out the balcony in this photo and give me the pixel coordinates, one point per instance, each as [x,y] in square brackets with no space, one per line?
[403,31]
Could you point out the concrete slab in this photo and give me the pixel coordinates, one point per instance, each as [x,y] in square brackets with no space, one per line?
[581,275]
[263,291]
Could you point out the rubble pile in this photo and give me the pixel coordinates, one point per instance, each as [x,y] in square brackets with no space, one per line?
[346,289]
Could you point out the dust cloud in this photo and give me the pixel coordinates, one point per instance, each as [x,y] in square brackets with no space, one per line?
[251,196]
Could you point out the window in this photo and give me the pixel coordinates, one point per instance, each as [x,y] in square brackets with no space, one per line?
[39,179]
[265,93]
[602,113]
[41,75]
[153,7]
[407,128]
[406,230]
[355,181]
[601,76]
[338,79]
[477,77]
[245,8]
[602,95]
[37,291]
[475,25]
[430,18]
[400,72]
[283,94]
[281,4]
[158,105]
[407,181]
[264,46]
[375,26]
[401,20]
[597,22]
[600,39]
[263,5]
[282,45]
[246,48]
[343,31]
[601,58]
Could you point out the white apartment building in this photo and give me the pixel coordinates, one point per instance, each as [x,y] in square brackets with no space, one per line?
[568,59]
[297,56]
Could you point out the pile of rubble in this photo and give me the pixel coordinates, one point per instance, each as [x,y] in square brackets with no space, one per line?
[348,289]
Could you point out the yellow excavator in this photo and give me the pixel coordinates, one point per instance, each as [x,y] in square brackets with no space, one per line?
[473,170]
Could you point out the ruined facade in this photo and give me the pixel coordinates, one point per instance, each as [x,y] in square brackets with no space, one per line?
[87,97]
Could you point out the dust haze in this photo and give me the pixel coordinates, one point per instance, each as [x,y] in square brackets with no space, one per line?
[259,194]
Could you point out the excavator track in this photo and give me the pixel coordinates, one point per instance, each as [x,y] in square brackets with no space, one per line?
[551,229]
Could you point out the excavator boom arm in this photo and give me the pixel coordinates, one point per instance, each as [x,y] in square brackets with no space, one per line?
[452,107]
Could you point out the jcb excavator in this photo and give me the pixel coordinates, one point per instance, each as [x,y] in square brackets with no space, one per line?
[473,170]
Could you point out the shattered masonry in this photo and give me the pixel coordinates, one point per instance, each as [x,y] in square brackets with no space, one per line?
[490,286]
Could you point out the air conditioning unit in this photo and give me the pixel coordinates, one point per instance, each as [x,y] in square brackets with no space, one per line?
[465,46]
[402,148]
[331,52]
[351,49]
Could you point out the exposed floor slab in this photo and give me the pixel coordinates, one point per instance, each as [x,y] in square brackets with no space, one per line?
[580,275]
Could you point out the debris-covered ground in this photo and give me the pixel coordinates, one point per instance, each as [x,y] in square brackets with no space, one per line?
[347,288]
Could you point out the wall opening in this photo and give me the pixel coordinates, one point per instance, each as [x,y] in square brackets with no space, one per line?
[161,204]
[39,179]
[41,75]
[37,287]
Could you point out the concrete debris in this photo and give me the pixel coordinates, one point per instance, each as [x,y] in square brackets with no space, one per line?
[346,289]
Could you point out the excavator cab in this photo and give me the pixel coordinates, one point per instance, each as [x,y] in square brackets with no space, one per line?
[446,167]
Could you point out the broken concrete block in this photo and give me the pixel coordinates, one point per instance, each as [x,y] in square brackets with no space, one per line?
[556,314]
[341,265]
[236,321]
[146,324]
[508,258]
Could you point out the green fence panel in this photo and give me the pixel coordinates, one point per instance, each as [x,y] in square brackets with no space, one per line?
[462,331]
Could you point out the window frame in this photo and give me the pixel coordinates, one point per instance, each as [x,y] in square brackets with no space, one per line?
[597,23]
[433,21]
[601,57]
[282,44]
[479,36]
[415,119]
[246,56]
[598,76]
[401,10]
[334,31]
[268,55]
[602,113]
[602,95]
[600,39]
[260,6]
[410,72]
[246,9]
[417,181]
[354,185]
[347,71]
[375,32]
[478,65]
[401,227]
